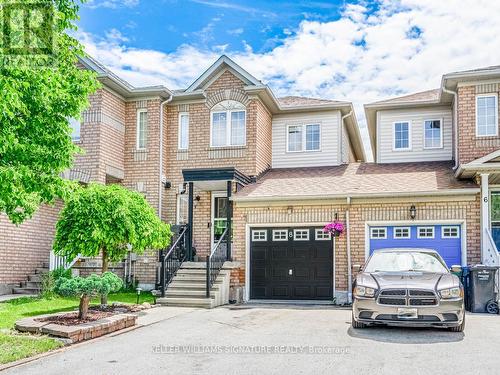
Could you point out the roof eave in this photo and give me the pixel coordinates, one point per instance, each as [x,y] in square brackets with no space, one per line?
[272,198]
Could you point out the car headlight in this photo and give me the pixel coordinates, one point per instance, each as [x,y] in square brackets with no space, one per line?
[451,293]
[364,291]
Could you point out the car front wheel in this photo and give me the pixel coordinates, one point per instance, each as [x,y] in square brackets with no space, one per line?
[459,328]
[356,324]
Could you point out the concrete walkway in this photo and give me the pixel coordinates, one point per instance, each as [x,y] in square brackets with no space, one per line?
[276,340]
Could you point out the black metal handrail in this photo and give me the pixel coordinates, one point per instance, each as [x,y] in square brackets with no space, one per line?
[173,259]
[216,260]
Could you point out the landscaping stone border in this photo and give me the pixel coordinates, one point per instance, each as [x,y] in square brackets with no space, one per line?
[77,333]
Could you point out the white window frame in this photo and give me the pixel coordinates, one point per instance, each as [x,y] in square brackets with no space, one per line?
[441,124]
[426,228]
[228,127]
[373,229]
[394,136]
[304,137]
[320,235]
[495,95]
[179,143]
[71,121]
[256,235]
[280,231]
[401,238]
[179,198]
[456,227]
[296,231]
[138,122]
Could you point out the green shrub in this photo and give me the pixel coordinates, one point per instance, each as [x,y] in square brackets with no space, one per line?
[49,281]
[88,287]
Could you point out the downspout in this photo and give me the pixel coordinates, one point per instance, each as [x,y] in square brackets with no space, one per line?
[160,166]
[348,243]
[341,133]
[455,124]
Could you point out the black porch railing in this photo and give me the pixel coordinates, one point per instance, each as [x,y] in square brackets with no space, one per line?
[172,260]
[216,259]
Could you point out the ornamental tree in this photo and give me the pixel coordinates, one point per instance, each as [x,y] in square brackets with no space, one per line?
[41,89]
[88,287]
[105,220]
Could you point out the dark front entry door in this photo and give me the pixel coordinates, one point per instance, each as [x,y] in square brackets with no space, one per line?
[290,264]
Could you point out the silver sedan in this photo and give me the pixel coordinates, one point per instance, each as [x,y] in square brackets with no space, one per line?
[408,287]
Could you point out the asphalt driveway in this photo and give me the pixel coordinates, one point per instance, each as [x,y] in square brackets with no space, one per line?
[278,340]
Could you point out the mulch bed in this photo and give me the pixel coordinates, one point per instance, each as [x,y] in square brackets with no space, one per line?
[94,313]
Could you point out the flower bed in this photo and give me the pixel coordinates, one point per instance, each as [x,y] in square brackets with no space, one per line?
[99,322]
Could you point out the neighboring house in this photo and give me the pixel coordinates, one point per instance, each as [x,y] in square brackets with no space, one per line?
[225,151]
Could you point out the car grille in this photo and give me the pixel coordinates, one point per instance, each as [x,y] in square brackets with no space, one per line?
[425,318]
[407,297]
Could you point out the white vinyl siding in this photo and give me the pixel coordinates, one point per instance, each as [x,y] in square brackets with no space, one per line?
[329,152]
[416,117]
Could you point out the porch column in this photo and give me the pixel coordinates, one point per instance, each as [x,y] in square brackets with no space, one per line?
[485,213]
[190,222]
[229,218]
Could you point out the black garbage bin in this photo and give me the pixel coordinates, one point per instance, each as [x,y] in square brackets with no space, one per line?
[482,289]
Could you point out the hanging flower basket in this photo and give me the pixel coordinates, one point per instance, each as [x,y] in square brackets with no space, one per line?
[335,228]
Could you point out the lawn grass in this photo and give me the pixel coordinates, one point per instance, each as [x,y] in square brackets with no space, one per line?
[15,346]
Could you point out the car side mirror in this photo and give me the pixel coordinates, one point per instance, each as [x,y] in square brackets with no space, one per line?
[356,268]
[456,268]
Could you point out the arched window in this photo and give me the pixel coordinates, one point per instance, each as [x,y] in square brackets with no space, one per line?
[228,124]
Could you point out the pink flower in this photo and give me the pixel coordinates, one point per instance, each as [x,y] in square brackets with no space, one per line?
[336,228]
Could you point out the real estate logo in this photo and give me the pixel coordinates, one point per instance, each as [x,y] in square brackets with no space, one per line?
[27,28]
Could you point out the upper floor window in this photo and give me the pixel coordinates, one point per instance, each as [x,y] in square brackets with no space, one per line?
[228,124]
[487,115]
[142,127]
[433,134]
[304,138]
[402,137]
[75,127]
[183,131]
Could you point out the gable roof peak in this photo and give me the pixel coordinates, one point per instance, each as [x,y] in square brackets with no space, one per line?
[223,62]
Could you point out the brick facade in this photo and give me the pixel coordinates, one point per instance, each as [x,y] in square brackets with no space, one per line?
[465,209]
[471,147]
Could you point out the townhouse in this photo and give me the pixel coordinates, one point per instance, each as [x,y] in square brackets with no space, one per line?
[227,159]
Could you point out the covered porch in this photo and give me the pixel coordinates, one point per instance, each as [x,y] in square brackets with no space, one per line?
[209,209]
[486,172]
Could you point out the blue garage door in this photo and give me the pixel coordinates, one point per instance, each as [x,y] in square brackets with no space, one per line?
[446,239]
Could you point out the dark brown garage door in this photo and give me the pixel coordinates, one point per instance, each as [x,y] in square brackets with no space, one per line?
[290,264]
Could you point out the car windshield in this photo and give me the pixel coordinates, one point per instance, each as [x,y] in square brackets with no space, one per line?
[406,261]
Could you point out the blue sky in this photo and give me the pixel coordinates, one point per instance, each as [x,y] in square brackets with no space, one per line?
[355,50]
[166,24]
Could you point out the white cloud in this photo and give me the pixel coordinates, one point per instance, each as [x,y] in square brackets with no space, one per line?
[360,57]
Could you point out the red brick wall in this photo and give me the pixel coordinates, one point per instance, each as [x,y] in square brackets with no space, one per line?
[26,247]
[471,147]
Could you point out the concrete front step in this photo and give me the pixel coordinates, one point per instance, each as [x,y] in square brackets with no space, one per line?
[25,291]
[37,278]
[40,271]
[183,293]
[187,302]
[191,286]
[31,284]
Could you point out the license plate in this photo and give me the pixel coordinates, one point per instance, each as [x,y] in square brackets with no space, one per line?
[404,313]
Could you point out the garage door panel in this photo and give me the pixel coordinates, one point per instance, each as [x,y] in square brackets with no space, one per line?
[449,248]
[310,262]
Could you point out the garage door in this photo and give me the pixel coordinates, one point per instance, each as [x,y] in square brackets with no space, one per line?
[446,239]
[290,264]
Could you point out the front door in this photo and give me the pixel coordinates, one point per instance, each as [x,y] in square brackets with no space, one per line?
[219,215]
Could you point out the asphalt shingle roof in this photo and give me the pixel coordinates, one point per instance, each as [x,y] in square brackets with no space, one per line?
[423,96]
[295,101]
[356,179]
